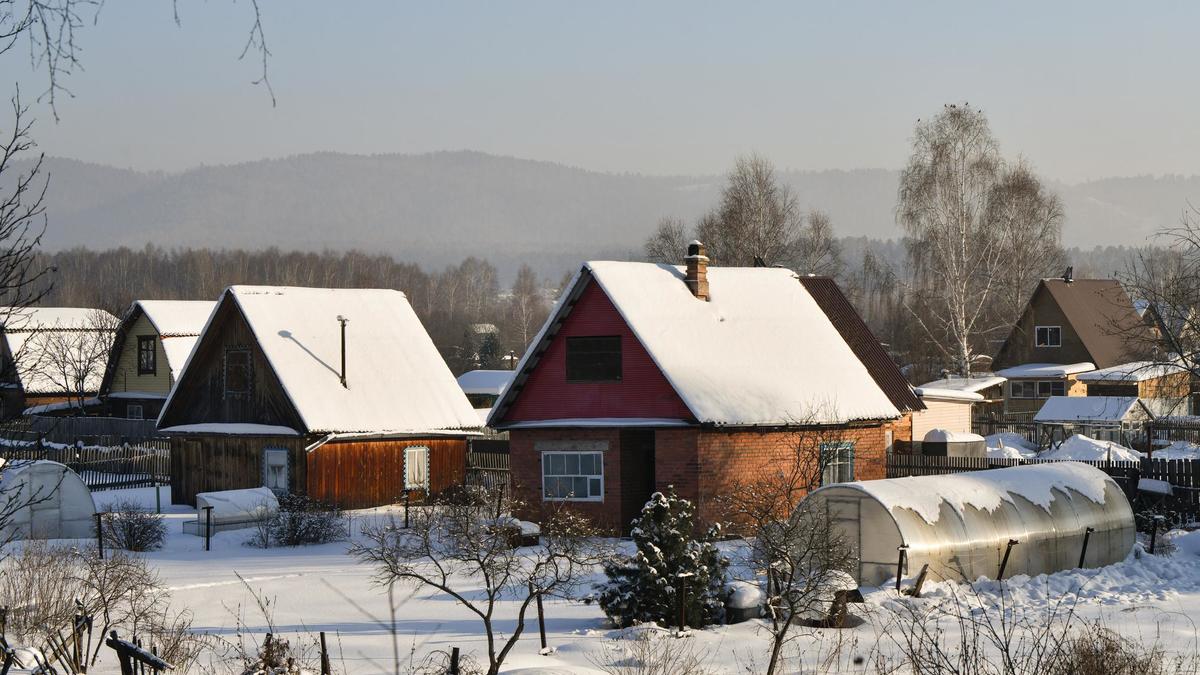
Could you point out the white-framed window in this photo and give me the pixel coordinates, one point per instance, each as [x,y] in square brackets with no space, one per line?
[416,468]
[275,469]
[1047,336]
[134,411]
[837,462]
[573,475]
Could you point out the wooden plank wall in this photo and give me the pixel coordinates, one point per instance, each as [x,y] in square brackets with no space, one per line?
[209,463]
[362,474]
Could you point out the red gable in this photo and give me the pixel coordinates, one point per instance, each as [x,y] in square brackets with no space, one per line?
[643,391]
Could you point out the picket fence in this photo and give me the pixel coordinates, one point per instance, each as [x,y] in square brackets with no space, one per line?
[147,464]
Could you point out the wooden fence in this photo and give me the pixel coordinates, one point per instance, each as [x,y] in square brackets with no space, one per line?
[147,464]
[487,464]
[1182,474]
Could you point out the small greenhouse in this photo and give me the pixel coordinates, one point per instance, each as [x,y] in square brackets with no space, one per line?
[961,525]
[45,500]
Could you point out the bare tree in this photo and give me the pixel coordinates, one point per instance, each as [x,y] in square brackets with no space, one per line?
[527,306]
[668,242]
[73,358]
[455,539]
[1029,219]
[816,250]
[802,555]
[758,219]
[966,215]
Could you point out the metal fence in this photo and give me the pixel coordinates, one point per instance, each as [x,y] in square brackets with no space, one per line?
[147,464]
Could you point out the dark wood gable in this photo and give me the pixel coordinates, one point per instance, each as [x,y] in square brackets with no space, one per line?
[200,396]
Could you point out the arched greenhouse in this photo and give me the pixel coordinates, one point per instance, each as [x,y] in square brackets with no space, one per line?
[45,500]
[961,524]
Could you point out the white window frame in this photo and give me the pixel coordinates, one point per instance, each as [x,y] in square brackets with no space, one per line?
[839,460]
[275,453]
[1037,342]
[130,408]
[547,457]
[410,458]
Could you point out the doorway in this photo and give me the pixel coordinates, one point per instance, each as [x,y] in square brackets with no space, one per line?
[637,473]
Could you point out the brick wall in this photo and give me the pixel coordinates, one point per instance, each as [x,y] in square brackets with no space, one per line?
[700,464]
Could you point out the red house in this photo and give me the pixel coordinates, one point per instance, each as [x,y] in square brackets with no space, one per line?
[650,375]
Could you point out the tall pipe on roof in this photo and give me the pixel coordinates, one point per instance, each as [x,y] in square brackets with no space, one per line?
[343,320]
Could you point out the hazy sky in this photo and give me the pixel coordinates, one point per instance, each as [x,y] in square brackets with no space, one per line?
[1082,90]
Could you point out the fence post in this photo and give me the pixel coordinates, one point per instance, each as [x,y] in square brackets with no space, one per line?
[454,661]
[900,564]
[325,668]
[100,533]
[1087,533]
[407,493]
[1004,562]
[207,527]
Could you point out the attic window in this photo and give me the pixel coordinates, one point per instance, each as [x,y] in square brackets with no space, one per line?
[1048,336]
[147,355]
[594,359]
[239,372]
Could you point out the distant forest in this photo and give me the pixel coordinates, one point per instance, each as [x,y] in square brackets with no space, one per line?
[457,303]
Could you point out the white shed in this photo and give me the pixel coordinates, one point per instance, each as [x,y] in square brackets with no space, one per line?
[47,501]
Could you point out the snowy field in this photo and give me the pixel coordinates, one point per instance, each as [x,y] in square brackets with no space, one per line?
[321,588]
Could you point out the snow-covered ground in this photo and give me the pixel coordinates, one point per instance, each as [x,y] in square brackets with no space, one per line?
[321,588]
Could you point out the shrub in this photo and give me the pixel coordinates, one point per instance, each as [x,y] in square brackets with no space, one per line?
[133,527]
[300,521]
[644,588]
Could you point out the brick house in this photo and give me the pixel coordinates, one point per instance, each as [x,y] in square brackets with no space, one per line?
[647,376]
[1069,327]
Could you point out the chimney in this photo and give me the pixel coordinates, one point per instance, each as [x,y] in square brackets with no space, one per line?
[343,320]
[1069,275]
[696,277]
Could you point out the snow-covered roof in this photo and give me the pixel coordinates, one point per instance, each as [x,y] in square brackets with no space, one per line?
[1088,409]
[974,384]
[396,379]
[60,406]
[948,394]
[1135,371]
[1045,370]
[49,345]
[177,317]
[178,348]
[598,422]
[485,381]
[232,428]
[1087,449]
[984,490]
[760,351]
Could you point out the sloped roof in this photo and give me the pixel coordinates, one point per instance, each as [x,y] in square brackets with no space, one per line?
[1134,371]
[862,341]
[974,384]
[485,381]
[1089,409]
[35,333]
[173,318]
[1046,370]
[397,380]
[760,352]
[1102,315]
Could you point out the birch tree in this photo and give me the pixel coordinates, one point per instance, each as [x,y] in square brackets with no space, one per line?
[967,216]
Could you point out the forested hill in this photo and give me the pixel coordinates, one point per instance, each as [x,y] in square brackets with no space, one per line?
[437,208]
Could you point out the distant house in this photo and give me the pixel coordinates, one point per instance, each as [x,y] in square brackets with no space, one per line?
[51,356]
[483,387]
[1070,326]
[1162,388]
[336,393]
[1108,418]
[647,376]
[151,346]
[983,391]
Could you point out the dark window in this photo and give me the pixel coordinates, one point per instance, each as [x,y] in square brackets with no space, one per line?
[1048,336]
[147,355]
[594,359]
[1023,389]
[134,411]
[1048,388]
[239,372]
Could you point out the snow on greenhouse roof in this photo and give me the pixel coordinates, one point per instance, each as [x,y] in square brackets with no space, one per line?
[1135,371]
[1046,370]
[760,352]
[485,381]
[396,379]
[1088,409]
[985,490]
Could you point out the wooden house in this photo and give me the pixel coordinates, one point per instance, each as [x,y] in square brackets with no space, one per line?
[336,393]
[953,403]
[1162,388]
[151,346]
[51,356]
[1070,326]
[647,376]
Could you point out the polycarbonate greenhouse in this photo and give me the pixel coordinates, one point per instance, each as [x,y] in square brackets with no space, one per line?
[961,524]
[45,500]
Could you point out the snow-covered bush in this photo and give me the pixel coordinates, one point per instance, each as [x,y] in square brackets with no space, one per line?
[300,521]
[133,527]
[645,587]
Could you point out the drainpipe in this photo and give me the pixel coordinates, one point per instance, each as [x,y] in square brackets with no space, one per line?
[343,320]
